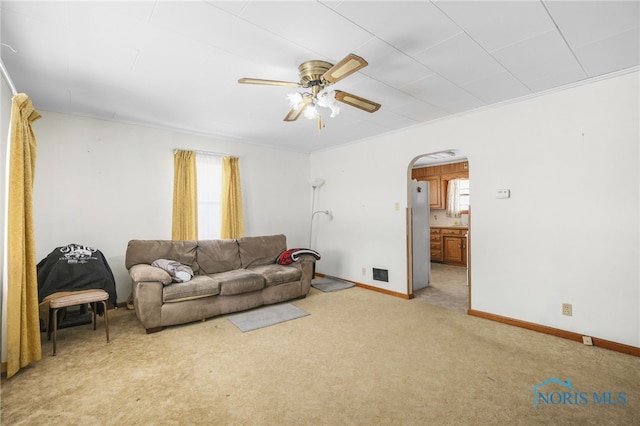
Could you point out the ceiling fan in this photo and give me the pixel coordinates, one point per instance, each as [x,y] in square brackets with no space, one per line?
[318,76]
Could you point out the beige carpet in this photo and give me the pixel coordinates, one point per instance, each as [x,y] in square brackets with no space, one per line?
[360,358]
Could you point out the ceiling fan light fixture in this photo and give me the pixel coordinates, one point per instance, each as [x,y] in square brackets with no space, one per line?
[310,111]
[295,100]
[317,75]
[327,99]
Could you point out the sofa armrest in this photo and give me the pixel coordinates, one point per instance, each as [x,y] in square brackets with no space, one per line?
[147,273]
[305,258]
[148,282]
[306,264]
[147,301]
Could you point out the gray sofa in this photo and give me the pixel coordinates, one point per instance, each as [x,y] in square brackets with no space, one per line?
[229,276]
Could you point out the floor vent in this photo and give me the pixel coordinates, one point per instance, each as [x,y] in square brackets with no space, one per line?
[381,274]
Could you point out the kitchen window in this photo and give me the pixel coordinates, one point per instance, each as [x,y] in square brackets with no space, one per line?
[464,196]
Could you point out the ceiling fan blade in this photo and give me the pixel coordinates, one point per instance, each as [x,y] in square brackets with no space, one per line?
[357,101]
[350,64]
[295,113]
[268,82]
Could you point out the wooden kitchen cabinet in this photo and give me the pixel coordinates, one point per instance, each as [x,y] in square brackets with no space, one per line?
[454,246]
[436,200]
[436,245]
[438,178]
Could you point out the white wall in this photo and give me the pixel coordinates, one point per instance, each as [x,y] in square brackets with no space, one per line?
[5,117]
[102,184]
[568,157]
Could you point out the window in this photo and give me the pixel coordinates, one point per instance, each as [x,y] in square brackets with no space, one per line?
[209,178]
[464,195]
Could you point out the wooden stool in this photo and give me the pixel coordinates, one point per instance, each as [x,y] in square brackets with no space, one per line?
[79,298]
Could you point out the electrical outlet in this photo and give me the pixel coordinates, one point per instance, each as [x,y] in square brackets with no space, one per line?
[364,271]
[587,340]
[567,309]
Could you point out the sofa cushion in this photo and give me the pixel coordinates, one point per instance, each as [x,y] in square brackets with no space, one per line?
[199,286]
[238,281]
[146,251]
[261,250]
[277,274]
[217,256]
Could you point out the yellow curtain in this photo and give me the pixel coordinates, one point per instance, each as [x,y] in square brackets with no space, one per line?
[23,321]
[232,221]
[185,197]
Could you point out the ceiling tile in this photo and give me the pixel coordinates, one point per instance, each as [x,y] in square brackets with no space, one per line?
[236,7]
[460,60]
[44,47]
[385,95]
[311,25]
[555,80]
[390,66]
[598,20]
[107,23]
[614,53]
[497,24]
[497,88]
[96,58]
[419,112]
[43,11]
[409,26]
[167,53]
[141,62]
[230,33]
[443,94]
[539,58]
[392,120]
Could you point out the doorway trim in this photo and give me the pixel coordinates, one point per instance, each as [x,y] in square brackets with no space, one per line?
[409,228]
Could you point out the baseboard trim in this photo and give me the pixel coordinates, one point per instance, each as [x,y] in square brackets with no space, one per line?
[381,290]
[372,288]
[570,335]
[602,343]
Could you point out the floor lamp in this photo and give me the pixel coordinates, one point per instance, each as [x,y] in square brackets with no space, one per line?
[315,184]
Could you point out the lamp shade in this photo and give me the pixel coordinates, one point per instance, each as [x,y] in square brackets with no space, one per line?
[316,182]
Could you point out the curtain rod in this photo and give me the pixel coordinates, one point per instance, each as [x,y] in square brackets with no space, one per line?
[221,154]
[7,78]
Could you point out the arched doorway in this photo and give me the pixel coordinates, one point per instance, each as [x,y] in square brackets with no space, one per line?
[438,244]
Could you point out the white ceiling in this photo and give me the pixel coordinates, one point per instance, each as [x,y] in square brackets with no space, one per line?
[175,65]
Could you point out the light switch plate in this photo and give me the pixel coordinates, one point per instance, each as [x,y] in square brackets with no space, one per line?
[503,193]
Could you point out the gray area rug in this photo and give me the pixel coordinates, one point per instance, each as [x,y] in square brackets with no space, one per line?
[264,317]
[328,284]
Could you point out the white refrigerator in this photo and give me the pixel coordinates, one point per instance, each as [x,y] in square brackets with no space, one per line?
[421,236]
